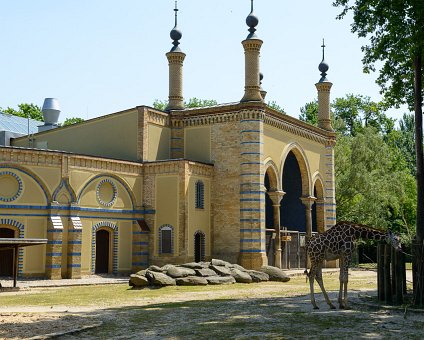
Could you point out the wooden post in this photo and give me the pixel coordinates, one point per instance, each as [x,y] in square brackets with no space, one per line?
[15,265]
[380,271]
[387,281]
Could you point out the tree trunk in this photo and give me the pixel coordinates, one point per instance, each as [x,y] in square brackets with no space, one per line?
[419,268]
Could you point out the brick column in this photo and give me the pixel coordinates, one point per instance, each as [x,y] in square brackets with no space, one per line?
[252,88]
[176,99]
[276,197]
[330,186]
[54,245]
[74,248]
[252,191]
[140,249]
[177,140]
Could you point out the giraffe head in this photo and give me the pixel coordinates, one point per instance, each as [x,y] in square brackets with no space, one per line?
[394,240]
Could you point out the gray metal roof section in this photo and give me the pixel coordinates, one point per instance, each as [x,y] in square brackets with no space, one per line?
[16,124]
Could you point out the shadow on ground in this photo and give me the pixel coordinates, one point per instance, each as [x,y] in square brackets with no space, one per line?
[263,318]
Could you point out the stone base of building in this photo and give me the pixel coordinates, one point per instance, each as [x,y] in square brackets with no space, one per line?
[253,260]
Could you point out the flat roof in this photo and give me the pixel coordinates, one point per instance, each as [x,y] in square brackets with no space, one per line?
[10,243]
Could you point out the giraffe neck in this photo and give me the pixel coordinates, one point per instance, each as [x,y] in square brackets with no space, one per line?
[366,233]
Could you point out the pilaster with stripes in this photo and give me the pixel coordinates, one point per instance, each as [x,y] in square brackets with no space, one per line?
[140,248]
[252,191]
[74,248]
[54,248]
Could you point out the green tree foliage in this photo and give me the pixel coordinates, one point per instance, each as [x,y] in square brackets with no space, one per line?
[72,120]
[351,114]
[192,102]
[309,113]
[372,185]
[273,105]
[26,110]
[396,32]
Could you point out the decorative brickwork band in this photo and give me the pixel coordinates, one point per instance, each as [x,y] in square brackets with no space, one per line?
[176,99]
[324,118]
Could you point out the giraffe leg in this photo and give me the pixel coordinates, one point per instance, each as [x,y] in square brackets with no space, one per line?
[312,274]
[343,285]
[321,284]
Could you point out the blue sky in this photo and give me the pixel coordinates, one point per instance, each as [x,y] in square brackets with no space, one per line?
[102,56]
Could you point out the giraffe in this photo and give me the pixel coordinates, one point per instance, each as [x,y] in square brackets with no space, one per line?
[339,242]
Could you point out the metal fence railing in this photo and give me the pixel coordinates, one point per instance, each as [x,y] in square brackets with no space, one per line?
[292,248]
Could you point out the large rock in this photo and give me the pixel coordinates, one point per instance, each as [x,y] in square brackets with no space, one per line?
[192,265]
[205,272]
[275,274]
[191,281]
[220,280]
[241,277]
[141,272]
[236,266]
[221,270]
[216,262]
[166,267]
[154,268]
[138,281]
[258,276]
[176,272]
[160,279]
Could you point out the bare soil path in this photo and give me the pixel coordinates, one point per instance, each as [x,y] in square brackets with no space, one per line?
[257,311]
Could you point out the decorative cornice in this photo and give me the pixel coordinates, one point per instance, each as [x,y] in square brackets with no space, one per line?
[157,117]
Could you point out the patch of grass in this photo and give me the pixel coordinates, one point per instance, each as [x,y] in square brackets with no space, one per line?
[122,294]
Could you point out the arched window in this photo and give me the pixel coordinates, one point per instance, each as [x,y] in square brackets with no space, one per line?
[200,195]
[166,239]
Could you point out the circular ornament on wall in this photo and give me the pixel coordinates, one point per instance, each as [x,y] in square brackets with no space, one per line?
[106,192]
[10,186]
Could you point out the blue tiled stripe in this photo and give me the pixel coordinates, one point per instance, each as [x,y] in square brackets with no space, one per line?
[75,242]
[54,242]
[54,254]
[250,230]
[250,251]
[74,254]
[252,220]
[74,265]
[53,266]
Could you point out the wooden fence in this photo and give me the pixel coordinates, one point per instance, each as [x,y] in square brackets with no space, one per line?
[391,277]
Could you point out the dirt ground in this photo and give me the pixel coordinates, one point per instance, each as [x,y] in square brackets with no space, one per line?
[263,311]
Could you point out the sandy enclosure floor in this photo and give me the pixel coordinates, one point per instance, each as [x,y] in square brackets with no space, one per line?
[260,312]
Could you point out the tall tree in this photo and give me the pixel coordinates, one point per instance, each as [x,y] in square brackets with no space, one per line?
[396,31]
[26,110]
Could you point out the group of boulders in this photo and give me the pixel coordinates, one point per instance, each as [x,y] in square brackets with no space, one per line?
[215,272]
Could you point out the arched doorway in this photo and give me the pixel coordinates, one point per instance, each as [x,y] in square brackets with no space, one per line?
[199,246]
[292,211]
[6,256]
[102,251]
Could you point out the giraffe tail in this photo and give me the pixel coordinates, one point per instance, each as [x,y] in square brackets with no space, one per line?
[306,273]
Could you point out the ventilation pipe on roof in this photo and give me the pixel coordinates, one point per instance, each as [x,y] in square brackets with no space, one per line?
[51,112]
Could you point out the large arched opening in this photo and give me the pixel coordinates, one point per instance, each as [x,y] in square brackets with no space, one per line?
[6,256]
[102,251]
[292,211]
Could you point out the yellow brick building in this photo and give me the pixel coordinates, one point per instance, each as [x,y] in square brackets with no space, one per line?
[143,186]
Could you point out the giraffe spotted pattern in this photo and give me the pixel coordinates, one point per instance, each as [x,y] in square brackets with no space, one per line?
[339,243]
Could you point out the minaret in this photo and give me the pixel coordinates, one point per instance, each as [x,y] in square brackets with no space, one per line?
[324,88]
[252,47]
[175,59]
